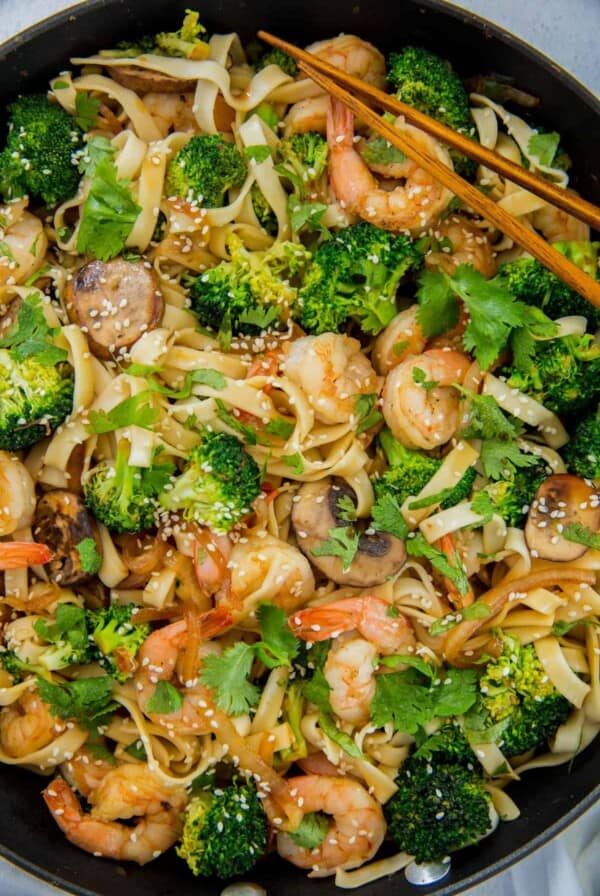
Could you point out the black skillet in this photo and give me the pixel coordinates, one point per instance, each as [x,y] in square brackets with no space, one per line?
[549,799]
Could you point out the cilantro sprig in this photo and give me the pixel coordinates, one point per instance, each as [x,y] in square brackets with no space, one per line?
[410,704]
[494,313]
[87,700]
[31,336]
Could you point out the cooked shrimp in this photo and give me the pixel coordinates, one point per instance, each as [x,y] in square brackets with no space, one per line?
[425,416]
[158,658]
[468,245]
[350,665]
[557,225]
[268,569]
[412,206]
[352,55]
[20,554]
[18,494]
[85,772]
[356,829]
[127,792]
[171,111]
[27,725]
[24,244]
[331,370]
[370,616]
[211,555]
[402,337]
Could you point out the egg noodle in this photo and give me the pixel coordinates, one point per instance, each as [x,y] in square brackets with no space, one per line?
[351,610]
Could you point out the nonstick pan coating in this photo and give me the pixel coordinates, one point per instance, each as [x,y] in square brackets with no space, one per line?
[548,799]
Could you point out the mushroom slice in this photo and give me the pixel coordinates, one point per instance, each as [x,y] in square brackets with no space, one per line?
[561,500]
[142,80]
[62,522]
[114,302]
[379,555]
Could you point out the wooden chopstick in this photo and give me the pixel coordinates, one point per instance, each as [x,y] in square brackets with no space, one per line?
[563,198]
[487,208]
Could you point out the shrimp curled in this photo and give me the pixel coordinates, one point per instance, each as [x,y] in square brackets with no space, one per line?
[356,829]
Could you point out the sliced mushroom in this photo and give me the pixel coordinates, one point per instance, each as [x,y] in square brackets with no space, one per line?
[9,314]
[142,80]
[379,555]
[62,522]
[561,500]
[114,302]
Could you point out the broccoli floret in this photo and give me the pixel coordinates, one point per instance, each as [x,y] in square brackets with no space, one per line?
[515,690]
[204,170]
[440,805]
[528,280]
[278,57]
[563,374]
[34,400]
[303,160]
[117,638]
[185,42]
[16,667]
[225,831]
[252,292]
[513,495]
[218,485]
[582,453]
[355,276]
[124,497]
[410,471]
[423,80]
[40,156]
[264,213]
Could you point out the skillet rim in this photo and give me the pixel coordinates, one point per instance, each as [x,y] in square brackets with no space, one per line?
[555,71]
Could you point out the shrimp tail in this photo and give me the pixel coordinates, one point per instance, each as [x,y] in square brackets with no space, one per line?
[340,126]
[321,623]
[20,554]
[214,622]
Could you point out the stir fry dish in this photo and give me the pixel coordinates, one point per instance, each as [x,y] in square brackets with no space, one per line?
[299,463]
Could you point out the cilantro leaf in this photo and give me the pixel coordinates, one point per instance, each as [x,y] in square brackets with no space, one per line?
[95,150]
[346,509]
[280,427]
[316,689]
[499,458]
[247,432]
[259,153]
[488,421]
[386,516]
[88,700]
[342,543]
[473,611]
[165,699]
[543,147]
[204,376]
[581,535]
[279,646]
[418,546]
[311,831]
[133,411]
[404,703]
[31,336]
[381,152]
[365,411]
[415,662]
[420,378]
[306,214]
[294,462]
[86,110]
[456,693]
[154,479]
[328,726]
[137,750]
[90,559]
[438,309]
[108,214]
[483,505]
[227,675]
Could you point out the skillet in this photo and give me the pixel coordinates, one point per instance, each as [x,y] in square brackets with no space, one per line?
[549,799]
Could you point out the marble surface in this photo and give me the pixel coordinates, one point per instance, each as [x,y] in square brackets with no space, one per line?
[568,31]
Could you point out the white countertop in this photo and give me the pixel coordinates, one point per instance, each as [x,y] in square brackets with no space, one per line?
[566,30]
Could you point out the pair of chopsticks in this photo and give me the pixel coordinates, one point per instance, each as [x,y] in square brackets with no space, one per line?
[331,80]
